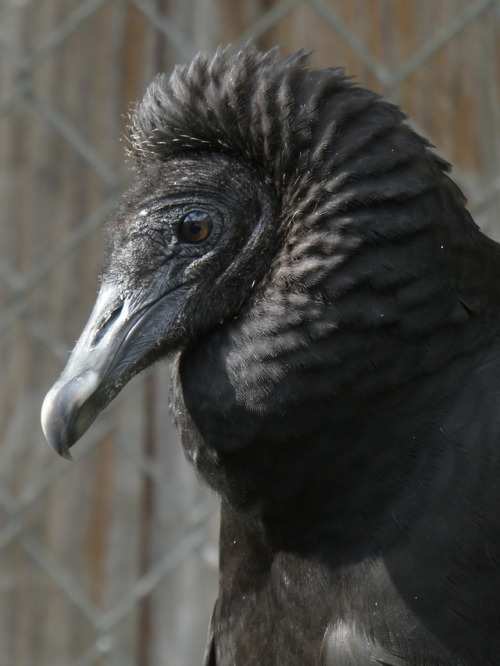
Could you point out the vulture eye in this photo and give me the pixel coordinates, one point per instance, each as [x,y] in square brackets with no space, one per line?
[195,227]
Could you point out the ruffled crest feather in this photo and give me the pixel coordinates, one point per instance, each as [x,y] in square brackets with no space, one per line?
[248,104]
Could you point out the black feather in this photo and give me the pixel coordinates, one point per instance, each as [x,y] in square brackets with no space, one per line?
[337,339]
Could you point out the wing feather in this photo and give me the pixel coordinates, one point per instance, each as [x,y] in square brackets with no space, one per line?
[344,645]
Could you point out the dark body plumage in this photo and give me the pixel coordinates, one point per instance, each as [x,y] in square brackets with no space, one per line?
[336,381]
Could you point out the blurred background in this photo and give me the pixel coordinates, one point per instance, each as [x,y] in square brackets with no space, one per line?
[112,560]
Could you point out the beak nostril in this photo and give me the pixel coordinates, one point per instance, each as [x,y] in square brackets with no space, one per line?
[107,323]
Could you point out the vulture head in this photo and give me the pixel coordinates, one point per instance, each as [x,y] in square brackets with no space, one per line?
[292,237]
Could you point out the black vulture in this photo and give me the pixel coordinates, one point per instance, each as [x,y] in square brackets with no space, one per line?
[333,309]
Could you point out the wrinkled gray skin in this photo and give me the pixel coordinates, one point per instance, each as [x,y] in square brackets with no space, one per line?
[145,310]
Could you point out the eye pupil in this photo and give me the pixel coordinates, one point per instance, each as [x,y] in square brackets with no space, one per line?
[195,227]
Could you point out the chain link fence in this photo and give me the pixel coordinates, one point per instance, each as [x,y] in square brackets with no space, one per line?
[112,560]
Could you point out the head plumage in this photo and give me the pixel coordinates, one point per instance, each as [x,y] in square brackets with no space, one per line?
[311,134]
[253,105]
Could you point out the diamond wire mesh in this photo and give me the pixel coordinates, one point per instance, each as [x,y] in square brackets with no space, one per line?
[112,560]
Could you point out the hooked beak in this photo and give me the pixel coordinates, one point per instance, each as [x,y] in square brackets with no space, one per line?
[116,343]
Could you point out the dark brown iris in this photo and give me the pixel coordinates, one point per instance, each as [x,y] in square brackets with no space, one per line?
[195,227]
